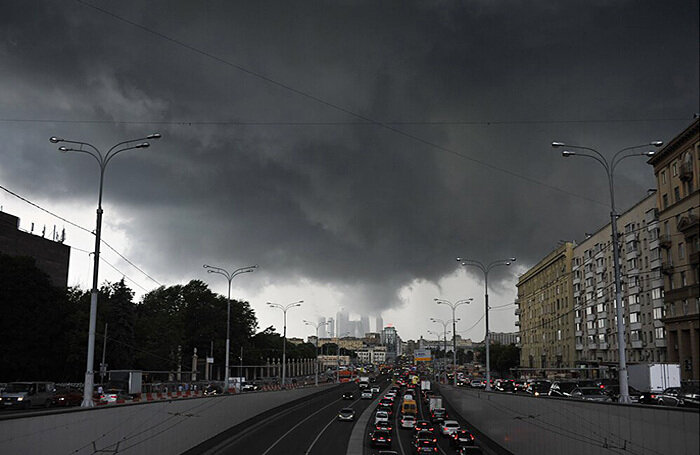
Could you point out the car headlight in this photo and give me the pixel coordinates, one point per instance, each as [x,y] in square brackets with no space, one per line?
[20,398]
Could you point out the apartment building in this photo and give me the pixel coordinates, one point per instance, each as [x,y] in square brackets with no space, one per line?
[545,311]
[676,168]
[595,319]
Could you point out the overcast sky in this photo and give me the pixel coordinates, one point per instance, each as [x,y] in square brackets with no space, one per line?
[352,149]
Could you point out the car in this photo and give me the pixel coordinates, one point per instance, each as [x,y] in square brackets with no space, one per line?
[424,435]
[366,395]
[469,450]
[408,421]
[27,394]
[346,414]
[384,426]
[462,438]
[381,416]
[562,388]
[375,389]
[348,396]
[438,415]
[670,397]
[380,438]
[538,388]
[425,446]
[506,386]
[423,425]
[67,396]
[249,387]
[386,408]
[448,427]
[114,395]
[386,402]
[476,383]
[613,391]
[590,394]
[387,452]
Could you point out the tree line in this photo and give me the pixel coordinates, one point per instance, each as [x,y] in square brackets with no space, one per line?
[44,329]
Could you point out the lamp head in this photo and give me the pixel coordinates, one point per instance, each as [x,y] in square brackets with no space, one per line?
[657,143]
[153,136]
[512,259]
[63,149]
[567,153]
[54,139]
[558,144]
[143,145]
[649,153]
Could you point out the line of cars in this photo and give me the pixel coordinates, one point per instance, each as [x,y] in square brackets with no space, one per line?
[424,433]
[26,395]
[600,390]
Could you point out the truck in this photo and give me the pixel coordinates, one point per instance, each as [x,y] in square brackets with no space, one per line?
[435,403]
[424,385]
[654,377]
[129,381]
[363,382]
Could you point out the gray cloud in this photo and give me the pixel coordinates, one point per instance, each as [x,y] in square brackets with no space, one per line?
[357,206]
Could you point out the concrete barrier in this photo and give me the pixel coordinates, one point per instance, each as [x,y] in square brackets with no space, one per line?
[172,426]
[525,425]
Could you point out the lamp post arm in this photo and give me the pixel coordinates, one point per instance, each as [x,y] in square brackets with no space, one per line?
[118,144]
[108,157]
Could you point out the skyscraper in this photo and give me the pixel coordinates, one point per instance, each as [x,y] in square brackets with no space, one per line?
[379,324]
[331,327]
[342,324]
[364,326]
[323,328]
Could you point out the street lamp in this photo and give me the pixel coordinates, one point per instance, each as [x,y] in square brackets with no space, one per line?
[487,339]
[102,161]
[284,309]
[454,330]
[317,326]
[609,166]
[229,276]
[444,332]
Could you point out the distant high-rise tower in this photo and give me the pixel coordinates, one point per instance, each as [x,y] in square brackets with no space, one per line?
[364,326]
[331,327]
[379,322]
[343,323]
[322,328]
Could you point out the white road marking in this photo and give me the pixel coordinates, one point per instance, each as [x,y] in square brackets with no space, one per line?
[297,425]
[308,451]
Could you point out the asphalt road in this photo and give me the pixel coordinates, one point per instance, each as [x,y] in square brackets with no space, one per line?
[402,438]
[307,428]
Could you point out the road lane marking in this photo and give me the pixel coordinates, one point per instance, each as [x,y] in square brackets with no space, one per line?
[398,432]
[297,425]
[308,451]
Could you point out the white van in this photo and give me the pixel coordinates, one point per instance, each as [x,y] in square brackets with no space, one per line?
[27,394]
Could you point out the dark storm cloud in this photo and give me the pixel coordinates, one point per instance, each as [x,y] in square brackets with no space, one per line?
[357,206]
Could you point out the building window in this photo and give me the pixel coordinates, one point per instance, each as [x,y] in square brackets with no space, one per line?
[634,317]
[658,313]
[663,177]
[674,169]
[601,323]
[677,194]
[664,199]
[681,250]
[659,333]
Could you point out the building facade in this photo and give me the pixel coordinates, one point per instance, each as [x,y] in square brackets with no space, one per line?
[676,168]
[372,355]
[51,256]
[545,312]
[504,337]
[595,316]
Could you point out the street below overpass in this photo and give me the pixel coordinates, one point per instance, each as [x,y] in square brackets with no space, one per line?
[311,427]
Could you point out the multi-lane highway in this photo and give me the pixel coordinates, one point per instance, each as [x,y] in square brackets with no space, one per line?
[311,427]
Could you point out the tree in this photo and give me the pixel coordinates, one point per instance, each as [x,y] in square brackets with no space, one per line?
[117,309]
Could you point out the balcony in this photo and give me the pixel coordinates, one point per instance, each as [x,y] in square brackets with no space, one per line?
[655,263]
[666,268]
[517,311]
[603,346]
[630,237]
[635,326]
[665,241]
[689,224]
[517,301]
[660,343]
[579,347]
[633,254]
[635,308]
[578,320]
[653,244]
[602,315]
[590,317]
[517,323]
[592,346]
[652,215]
[657,303]
[686,171]
[637,344]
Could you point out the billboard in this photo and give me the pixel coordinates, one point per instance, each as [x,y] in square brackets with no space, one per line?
[422,355]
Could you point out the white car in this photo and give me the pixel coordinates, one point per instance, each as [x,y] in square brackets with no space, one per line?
[448,427]
[381,417]
[375,389]
[408,422]
[366,395]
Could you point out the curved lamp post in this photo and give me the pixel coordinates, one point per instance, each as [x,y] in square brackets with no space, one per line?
[284,309]
[444,334]
[316,326]
[486,268]
[454,330]
[229,276]
[609,166]
[102,161]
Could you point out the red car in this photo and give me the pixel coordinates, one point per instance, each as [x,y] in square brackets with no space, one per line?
[67,396]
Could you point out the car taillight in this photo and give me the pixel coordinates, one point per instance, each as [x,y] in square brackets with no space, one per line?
[653,396]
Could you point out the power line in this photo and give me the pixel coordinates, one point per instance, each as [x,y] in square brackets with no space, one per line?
[85,230]
[334,106]
[329,123]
